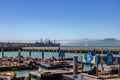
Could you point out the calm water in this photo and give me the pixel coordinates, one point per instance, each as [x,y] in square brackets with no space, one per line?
[38,54]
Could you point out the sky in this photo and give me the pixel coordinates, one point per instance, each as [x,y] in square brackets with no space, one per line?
[59,19]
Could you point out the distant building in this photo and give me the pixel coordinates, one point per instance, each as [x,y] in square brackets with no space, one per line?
[15,46]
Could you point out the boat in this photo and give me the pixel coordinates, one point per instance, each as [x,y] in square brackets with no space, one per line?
[47,43]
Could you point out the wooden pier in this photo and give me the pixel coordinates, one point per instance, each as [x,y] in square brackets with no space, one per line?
[70,49]
[67,50]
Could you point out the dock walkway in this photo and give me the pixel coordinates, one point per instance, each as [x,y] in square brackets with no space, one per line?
[70,50]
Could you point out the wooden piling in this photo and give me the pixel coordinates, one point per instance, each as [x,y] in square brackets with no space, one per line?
[91,65]
[97,70]
[59,53]
[19,55]
[75,67]
[119,70]
[30,53]
[42,54]
[81,62]
[101,57]
[119,64]
[2,53]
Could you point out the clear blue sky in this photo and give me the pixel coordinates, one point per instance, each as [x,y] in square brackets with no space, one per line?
[59,19]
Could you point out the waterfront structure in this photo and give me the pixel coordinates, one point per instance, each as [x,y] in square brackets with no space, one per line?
[72,49]
[13,46]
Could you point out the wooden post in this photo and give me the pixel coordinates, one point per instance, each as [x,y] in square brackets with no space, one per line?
[64,56]
[91,65]
[81,63]
[119,64]
[59,53]
[42,54]
[30,53]
[119,70]
[101,57]
[19,55]
[75,67]
[2,53]
[97,70]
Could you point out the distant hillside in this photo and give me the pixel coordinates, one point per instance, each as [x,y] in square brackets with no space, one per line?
[89,42]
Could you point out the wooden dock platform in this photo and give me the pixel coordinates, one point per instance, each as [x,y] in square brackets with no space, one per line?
[56,64]
[86,77]
[52,73]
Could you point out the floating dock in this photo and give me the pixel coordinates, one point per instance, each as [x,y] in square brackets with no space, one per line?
[51,74]
[56,64]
